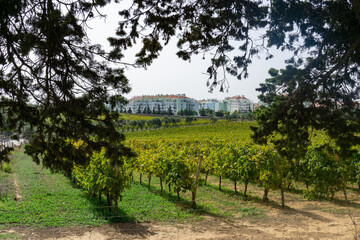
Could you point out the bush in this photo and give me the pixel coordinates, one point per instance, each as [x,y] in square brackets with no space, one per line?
[6,167]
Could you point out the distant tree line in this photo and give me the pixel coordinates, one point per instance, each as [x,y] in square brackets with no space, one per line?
[234,116]
[132,125]
[147,110]
[166,122]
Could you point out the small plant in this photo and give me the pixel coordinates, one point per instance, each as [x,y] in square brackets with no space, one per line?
[6,167]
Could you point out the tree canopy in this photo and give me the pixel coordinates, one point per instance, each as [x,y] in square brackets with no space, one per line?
[55,80]
[320,86]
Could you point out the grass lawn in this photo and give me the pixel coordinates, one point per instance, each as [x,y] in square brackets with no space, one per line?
[52,200]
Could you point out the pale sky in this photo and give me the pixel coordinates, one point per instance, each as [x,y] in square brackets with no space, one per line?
[170,75]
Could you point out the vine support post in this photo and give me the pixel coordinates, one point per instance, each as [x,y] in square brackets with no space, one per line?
[220,182]
[207,173]
[161,185]
[193,202]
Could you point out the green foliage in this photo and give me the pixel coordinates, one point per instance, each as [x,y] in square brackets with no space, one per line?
[219,130]
[6,167]
[6,185]
[175,161]
[186,112]
[327,173]
[54,81]
[189,120]
[274,170]
[199,26]
[50,200]
[101,177]
[319,92]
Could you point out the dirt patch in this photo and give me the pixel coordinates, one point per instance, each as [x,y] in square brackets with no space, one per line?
[18,196]
[289,223]
[301,219]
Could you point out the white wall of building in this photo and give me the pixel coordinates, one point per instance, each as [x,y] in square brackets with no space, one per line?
[175,102]
[181,102]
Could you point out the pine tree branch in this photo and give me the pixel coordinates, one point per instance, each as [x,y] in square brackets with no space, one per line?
[356,8]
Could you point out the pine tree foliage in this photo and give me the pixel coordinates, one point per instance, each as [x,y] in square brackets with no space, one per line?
[320,86]
[200,26]
[55,80]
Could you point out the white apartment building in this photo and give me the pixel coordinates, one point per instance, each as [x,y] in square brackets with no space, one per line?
[236,103]
[175,102]
[208,104]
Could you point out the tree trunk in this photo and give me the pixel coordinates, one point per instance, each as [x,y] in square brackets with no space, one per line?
[140,178]
[194,188]
[116,206]
[207,173]
[246,185]
[235,186]
[220,183]
[149,181]
[99,196]
[108,199]
[307,184]
[265,197]
[169,189]
[178,194]
[345,195]
[282,197]
[289,185]
[193,202]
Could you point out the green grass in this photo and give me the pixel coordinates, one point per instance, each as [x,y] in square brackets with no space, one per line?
[210,201]
[9,236]
[226,130]
[6,186]
[48,199]
[132,117]
[141,204]
[51,200]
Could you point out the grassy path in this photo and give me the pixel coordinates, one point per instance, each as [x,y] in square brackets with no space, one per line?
[52,200]
[47,199]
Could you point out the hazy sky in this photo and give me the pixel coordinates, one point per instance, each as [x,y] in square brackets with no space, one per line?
[170,75]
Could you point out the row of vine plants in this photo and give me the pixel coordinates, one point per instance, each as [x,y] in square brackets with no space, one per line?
[176,162]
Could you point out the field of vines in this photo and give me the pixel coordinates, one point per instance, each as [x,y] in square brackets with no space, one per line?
[219,130]
[177,155]
[135,122]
